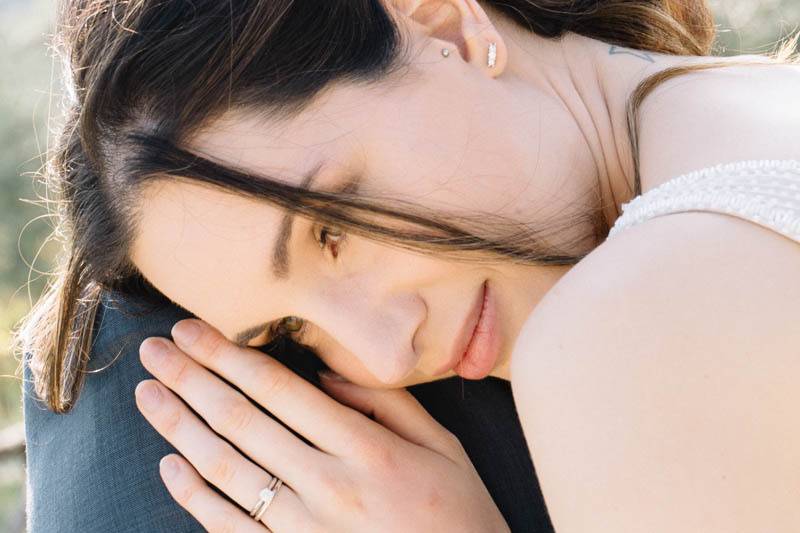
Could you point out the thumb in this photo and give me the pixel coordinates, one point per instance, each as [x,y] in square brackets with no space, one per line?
[395,409]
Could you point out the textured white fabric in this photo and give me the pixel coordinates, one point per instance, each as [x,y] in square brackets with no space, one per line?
[764,191]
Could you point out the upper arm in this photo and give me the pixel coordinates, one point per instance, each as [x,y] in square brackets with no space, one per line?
[657,382]
[95,468]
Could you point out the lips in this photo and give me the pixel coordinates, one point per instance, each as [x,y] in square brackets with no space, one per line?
[465,333]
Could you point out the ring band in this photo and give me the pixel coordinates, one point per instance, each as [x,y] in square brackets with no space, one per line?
[265,498]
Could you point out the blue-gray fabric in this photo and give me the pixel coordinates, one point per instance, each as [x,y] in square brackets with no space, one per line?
[95,469]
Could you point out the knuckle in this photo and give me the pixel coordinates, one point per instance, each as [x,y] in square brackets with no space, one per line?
[181,372]
[221,470]
[215,347]
[363,439]
[273,381]
[454,444]
[171,420]
[380,456]
[340,492]
[185,494]
[235,417]
[385,460]
[434,499]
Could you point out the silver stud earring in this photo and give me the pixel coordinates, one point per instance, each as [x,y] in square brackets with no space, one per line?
[445,52]
[492,57]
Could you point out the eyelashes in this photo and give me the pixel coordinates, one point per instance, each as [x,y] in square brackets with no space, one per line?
[291,326]
[330,235]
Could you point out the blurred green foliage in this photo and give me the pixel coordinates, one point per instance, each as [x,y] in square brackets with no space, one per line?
[30,93]
[24,107]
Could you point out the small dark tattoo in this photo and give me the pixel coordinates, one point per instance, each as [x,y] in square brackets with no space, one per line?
[638,53]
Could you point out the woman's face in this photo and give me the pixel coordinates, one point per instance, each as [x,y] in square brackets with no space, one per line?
[452,138]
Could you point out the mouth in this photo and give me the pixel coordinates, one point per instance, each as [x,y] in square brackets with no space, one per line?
[467,331]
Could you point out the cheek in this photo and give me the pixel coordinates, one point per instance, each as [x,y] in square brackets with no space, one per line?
[345,364]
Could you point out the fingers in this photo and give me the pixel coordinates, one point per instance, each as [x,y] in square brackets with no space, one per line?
[228,412]
[399,411]
[284,514]
[326,423]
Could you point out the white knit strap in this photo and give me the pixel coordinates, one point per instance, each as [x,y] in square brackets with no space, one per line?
[763,191]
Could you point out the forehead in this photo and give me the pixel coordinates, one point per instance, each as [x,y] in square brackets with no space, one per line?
[347,125]
[288,148]
[190,240]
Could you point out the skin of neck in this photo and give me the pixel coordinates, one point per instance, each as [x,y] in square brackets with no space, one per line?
[592,80]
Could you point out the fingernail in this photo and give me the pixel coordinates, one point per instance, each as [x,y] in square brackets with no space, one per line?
[153,347]
[149,395]
[331,375]
[187,331]
[169,467]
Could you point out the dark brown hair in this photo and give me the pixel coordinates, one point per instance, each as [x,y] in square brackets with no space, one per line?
[144,76]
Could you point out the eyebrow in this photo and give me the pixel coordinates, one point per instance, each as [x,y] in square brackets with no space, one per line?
[280,250]
[280,253]
[243,337]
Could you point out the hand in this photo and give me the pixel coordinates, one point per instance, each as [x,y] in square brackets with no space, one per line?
[401,471]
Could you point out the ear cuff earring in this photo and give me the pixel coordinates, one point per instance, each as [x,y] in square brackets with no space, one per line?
[491,58]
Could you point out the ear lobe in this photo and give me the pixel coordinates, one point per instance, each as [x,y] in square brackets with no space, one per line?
[460,25]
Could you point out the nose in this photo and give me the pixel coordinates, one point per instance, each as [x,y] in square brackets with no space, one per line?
[376,327]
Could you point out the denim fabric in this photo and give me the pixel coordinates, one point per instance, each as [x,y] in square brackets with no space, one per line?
[95,469]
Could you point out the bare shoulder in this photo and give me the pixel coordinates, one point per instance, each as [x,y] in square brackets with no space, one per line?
[656,382]
[720,115]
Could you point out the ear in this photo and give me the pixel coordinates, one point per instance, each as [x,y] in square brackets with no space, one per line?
[462,26]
